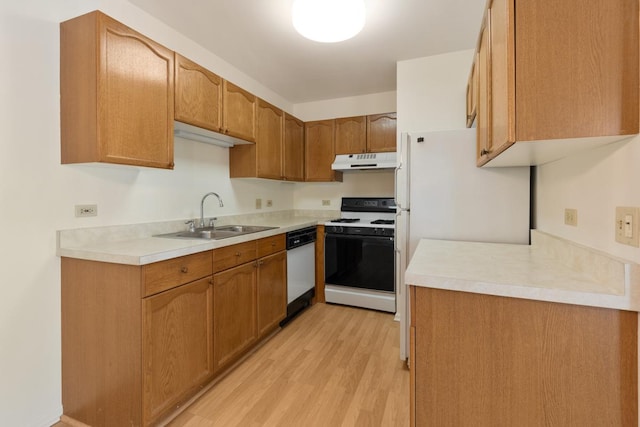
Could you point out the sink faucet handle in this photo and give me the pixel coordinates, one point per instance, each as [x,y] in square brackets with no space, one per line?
[192,225]
[212,222]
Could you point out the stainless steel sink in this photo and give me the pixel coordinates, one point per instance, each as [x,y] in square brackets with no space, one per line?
[217,233]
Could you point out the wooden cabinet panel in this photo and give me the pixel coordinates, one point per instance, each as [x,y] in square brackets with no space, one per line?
[117,94]
[350,135]
[232,256]
[238,112]
[271,245]
[592,91]
[177,346]
[234,313]
[163,275]
[319,151]
[381,132]
[293,148]
[487,360]
[198,95]
[272,292]
[269,140]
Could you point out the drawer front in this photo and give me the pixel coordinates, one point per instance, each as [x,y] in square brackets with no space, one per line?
[271,245]
[231,256]
[163,275]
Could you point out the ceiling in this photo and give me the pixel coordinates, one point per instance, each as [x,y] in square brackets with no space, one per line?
[257,37]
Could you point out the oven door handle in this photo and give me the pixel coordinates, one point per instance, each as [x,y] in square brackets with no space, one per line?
[376,239]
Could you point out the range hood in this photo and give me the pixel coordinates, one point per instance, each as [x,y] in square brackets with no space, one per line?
[365,161]
[185,131]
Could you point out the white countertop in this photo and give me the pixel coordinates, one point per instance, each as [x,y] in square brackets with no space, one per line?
[89,244]
[553,270]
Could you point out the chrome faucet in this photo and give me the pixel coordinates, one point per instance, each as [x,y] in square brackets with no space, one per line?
[202,207]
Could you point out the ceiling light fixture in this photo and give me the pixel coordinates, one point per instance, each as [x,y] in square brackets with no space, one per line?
[328,21]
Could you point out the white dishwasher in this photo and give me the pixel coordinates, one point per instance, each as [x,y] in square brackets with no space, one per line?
[301,270]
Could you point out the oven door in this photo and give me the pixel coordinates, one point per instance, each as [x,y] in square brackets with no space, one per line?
[359,261]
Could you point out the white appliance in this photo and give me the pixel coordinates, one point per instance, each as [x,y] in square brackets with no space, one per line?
[441,194]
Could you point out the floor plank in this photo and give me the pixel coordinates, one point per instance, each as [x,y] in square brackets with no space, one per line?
[331,366]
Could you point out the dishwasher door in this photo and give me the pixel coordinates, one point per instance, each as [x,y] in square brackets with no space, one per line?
[301,271]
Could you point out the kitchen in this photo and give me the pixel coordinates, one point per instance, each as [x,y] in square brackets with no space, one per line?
[39,193]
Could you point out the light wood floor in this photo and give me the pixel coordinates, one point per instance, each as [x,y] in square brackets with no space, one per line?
[331,366]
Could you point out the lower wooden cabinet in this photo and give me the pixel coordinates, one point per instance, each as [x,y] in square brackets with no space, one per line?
[485,360]
[234,308]
[177,345]
[139,341]
[272,292]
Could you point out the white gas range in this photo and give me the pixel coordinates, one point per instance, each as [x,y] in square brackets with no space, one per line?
[359,254]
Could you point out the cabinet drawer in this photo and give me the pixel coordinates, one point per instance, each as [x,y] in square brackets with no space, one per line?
[230,256]
[160,276]
[271,245]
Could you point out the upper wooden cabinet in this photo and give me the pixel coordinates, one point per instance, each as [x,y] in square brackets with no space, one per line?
[198,95]
[319,151]
[238,112]
[365,134]
[557,71]
[381,132]
[116,94]
[264,159]
[293,164]
[351,135]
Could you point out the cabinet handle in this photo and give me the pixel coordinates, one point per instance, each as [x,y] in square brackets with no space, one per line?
[260,262]
[273,243]
[184,269]
[237,253]
[211,281]
[484,152]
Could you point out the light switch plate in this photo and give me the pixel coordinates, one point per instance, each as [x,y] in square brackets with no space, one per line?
[627,226]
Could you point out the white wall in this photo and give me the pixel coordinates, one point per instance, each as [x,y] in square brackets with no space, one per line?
[38,194]
[384,102]
[432,92]
[594,183]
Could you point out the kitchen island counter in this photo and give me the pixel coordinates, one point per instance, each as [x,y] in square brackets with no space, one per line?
[551,269]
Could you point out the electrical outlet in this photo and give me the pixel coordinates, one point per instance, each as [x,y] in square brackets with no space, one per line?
[86,210]
[269,203]
[627,226]
[326,202]
[571,217]
[258,203]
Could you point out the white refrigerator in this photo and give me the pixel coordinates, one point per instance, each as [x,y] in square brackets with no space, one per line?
[441,194]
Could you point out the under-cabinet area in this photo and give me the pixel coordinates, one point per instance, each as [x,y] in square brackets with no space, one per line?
[138,341]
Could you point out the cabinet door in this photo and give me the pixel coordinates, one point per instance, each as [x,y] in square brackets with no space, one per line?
[381,132]
[177,346]
[198,95]
[272,291]
[501,62]
[270,135]
[350,135]
[484,91]
[319,152]
[117,94]
[293,149]
[238,112]
[234,313]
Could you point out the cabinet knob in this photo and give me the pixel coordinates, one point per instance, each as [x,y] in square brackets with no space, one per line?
[484,152]
[260,262]
[273,243]
[184,269]
[237,253]
[211,281]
